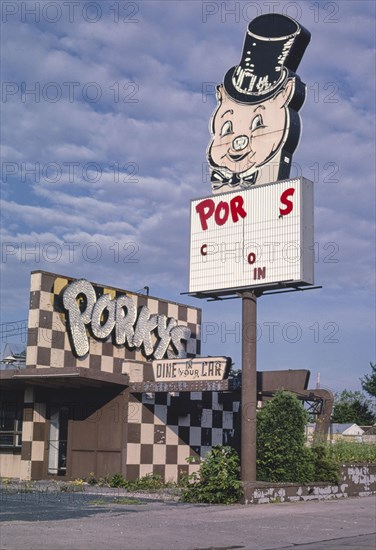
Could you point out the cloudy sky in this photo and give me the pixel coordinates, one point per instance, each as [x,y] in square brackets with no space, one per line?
[105,110]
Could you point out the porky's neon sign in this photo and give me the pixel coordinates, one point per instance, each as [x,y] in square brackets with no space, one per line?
[156,334]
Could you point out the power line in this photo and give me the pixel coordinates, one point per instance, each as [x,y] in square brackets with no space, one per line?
[13,322]
[13,329]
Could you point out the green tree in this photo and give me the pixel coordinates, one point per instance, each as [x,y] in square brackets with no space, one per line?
[369,381]
[353,407]
[281,452]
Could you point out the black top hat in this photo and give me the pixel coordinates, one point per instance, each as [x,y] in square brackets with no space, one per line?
[273,47]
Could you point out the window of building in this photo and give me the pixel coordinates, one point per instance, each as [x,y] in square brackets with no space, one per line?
[10,425]
[57,443]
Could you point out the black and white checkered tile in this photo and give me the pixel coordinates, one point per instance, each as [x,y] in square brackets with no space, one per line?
[33,437]
[165,429]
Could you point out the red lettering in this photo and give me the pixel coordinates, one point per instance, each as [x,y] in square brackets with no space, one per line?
[203,250]
[222,206]
[289,205]
[251,258]
[259,273]
[237,209]
[205,210]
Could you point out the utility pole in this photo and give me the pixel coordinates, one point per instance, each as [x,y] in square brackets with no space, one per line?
[249,386]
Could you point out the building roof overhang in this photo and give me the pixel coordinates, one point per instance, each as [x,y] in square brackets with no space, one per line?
[67,377]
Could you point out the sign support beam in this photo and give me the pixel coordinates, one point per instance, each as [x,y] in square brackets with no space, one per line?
[249,387]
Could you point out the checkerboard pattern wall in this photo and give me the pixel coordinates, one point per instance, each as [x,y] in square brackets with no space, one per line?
[164,429]
[33,437]
[49,341]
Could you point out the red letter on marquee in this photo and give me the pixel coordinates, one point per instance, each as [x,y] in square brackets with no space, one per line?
[205,210]
[221,207]
[237,209]
[288,203]
[251,258]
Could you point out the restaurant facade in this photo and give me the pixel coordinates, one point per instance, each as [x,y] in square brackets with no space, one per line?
[87,400]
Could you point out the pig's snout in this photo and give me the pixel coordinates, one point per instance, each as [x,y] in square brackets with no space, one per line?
[240,143]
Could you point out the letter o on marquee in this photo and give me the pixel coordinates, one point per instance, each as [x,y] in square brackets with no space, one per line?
[251,258]
[222,206]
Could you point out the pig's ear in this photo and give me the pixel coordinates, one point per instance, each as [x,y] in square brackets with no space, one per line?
[285,95]
[219,93]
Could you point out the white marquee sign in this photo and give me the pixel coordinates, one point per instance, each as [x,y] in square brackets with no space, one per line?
[252,238]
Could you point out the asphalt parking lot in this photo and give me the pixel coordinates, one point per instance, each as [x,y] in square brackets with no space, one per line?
[52,519]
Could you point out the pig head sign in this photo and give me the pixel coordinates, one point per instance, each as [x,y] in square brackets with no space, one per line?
[256,229]
[256,126]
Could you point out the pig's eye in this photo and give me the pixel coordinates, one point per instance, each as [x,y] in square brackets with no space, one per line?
[226,128]
[257,122]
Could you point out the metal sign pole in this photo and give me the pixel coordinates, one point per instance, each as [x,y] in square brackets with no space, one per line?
[249,387]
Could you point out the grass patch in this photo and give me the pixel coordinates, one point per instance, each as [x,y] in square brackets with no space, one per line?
[99,501]
[349,451]
[125,500]
[119,500]
[72,487]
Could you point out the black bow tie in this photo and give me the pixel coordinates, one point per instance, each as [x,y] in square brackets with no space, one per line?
[218,180]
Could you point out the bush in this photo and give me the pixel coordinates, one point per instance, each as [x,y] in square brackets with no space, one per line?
[326,468]
[281,452]
[148,482]
[91,479]
[118,481]
[305,468]
[217,481]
